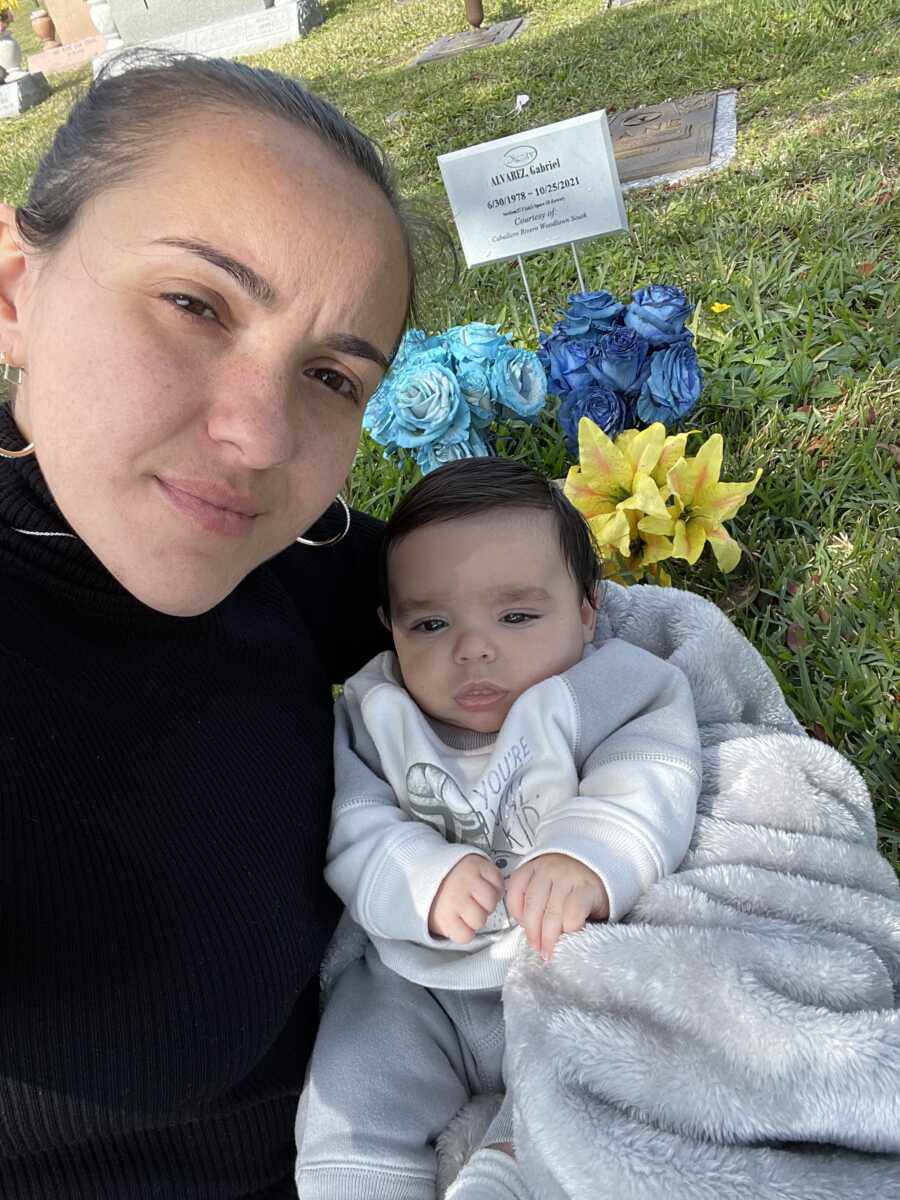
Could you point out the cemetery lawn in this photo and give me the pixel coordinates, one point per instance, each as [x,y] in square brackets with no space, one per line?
[799,236]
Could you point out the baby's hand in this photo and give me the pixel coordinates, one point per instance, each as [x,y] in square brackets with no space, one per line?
[554,894]
[465,899]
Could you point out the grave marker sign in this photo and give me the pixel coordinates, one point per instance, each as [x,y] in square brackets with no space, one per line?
[533,191]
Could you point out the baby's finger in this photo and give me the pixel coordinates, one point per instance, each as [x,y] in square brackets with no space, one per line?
[551,926]
[486,894]
[473,914]
[535,905]
[576,910]
[492,874]
[458,931]
[516,889]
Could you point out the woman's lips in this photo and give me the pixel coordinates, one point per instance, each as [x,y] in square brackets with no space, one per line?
[211,506]
[475,696]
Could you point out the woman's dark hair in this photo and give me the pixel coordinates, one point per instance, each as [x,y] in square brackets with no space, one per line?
[128,115]
[478,485]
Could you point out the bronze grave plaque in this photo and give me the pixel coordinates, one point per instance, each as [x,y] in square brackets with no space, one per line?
[472,39]
[661,138]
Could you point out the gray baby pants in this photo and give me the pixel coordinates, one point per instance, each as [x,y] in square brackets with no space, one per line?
[393,1063]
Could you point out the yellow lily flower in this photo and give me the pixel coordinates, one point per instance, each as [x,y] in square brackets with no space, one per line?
[646,501]
[705,503]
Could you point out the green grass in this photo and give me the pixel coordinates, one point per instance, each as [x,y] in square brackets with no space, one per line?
[799,236]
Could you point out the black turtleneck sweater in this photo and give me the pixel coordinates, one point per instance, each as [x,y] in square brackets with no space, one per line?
[165,790]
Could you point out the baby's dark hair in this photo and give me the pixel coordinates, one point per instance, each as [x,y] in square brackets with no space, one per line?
[478,485]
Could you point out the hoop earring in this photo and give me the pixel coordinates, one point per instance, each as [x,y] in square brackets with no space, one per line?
[15,380]
[8,369]
[338,537]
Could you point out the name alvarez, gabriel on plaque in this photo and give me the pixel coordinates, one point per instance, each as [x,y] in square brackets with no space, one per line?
[547,187]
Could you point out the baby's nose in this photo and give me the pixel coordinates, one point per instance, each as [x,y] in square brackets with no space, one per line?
[472,647]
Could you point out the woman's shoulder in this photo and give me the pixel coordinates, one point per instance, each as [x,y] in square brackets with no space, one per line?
[335,590]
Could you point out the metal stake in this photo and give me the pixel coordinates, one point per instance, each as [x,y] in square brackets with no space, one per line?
[578,268]
[528,294]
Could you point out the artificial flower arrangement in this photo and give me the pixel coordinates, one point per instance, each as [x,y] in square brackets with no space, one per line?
[623,366]
[646,500]
[446,394]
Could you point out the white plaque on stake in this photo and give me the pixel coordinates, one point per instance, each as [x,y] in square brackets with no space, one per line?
[535,190]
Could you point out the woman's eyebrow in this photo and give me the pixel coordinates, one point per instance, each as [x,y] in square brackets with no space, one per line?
[254,285]
[348,343]
[262,292]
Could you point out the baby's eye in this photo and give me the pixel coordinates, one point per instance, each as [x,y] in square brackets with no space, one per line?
[336,381]
[518,618]
[192,306]
[429,625]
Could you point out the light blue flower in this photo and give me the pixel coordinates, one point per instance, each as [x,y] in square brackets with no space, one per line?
[475,342]
[379,418]
[475,385]
[519,383]
[436,454]
[673,387]
[428,406]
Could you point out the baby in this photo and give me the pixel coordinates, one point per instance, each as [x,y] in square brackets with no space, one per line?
[499,779]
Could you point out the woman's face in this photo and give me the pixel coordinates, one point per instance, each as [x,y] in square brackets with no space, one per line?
[200,349]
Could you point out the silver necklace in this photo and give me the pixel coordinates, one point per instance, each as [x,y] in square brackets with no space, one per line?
[42,533]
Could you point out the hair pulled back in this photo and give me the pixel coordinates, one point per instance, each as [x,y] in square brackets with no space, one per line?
[128,116]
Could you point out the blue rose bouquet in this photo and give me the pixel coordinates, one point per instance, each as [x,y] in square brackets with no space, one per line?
[623,366]
[445,394]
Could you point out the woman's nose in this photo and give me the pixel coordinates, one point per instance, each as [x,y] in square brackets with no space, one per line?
[474,647]
[250,409]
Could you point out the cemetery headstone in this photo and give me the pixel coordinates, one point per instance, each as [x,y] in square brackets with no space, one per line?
[675,140]
[210,27]
[72,19]
[66,57]
[659,138]
[471,39]
[21,94]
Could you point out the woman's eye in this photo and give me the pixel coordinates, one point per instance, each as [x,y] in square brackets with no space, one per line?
[336,381]
[429,625]
[518,618]
[193,306]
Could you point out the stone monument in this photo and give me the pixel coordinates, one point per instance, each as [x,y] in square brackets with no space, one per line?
[18,90]
[80,40]
[72,19]
[211,27]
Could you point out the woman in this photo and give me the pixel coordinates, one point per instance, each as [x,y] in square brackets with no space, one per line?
[205,287]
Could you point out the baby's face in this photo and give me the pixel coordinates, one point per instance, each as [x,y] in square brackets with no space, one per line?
[482,608]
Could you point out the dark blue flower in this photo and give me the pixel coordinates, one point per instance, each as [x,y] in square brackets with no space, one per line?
[621,361]
[594,312]
[518,383]
[435,454]
[604,406]
[565,360]
[673,386]
[659,313]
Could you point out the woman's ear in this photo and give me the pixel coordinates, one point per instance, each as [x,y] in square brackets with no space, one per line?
[13,271]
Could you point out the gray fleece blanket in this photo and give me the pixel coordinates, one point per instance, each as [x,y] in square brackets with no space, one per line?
[737,1037]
